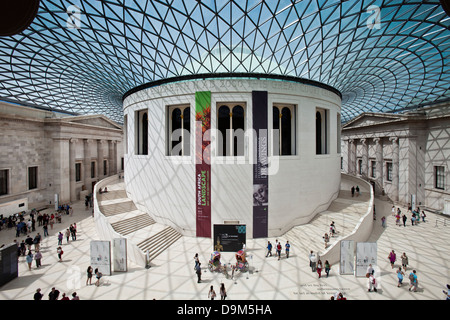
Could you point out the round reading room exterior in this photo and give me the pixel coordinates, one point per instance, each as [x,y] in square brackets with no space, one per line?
[253,150]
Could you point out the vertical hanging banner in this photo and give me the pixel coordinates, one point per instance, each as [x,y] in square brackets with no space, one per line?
[203,163]
[260,165]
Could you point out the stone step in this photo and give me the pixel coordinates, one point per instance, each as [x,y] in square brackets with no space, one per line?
[117,208]
[159,242]
[127,226]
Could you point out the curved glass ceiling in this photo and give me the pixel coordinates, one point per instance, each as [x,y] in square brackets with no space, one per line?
[82,56]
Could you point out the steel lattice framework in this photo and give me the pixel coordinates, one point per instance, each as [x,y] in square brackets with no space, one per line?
[83,56]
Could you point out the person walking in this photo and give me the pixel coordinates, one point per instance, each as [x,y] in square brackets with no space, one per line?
[64,297]
[269,249]
[75,296]
[319,268]
[198,271]
[98,275]
[279,250]
[370,270]
[54,294]
[353,191]
[312,261]
[404,218]
[89,275]
[423,215]
[383,221]
[211,293]
[223,292]
[287,248]
[372,283]
[392,258]
[29,259]
[400,275]
[413,283]
[60,252]
[327,267]
[404,260]
[37,258]
[67,234]
[38,295]
[196,261]
[326,239]
[60,238]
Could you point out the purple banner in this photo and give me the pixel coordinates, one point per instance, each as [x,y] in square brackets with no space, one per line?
[260,165]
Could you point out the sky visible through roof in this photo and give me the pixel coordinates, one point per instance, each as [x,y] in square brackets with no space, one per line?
[82,56]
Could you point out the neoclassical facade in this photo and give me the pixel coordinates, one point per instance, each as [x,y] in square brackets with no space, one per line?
[247,151]
[405,156]
[49,156]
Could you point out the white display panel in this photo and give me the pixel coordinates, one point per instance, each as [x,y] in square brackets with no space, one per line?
[347,259]
[120,254]
[366,253]
[101,256]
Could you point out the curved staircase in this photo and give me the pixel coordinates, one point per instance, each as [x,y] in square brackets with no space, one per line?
[138,227]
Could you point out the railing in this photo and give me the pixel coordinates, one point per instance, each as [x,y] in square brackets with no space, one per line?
[362,230]
[106,231]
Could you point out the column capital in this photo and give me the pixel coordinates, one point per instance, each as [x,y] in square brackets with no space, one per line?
[363,140]
[102,141]
[88,141]
[377,140]
[73,140]
[393,139]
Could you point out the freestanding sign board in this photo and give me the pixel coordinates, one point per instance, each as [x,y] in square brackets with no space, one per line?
[366,253]
[120,254]
[101,256]
[347,259]
[9,268]
[229,237]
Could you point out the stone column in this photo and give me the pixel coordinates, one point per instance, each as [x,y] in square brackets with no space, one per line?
[87,164]
[395,167]
[365,158]
[112,157]
[100,156]
[379,161]
[72,171]
[350,156]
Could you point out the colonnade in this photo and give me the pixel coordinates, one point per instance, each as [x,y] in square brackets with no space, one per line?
[379,175]
[105,150]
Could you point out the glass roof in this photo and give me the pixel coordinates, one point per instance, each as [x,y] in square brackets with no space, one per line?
[83,56]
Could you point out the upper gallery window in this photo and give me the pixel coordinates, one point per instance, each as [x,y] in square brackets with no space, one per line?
[179,125]
[231,126]
[284,131]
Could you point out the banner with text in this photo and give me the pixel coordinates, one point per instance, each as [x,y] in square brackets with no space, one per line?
[203,163]
[260,165]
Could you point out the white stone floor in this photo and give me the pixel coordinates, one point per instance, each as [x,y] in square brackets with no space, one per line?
[172,277]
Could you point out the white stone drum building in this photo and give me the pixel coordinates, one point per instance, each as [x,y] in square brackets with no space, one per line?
[272,149]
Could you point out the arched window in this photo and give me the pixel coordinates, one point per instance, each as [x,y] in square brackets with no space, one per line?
[238,131]
[284,133]
[179,130]
[322,137]
[176,132]
[231,127]
[141,132]
[223,125]
[145,133]
[318,133]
